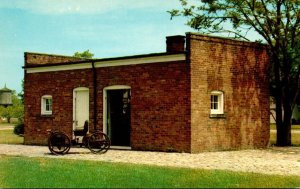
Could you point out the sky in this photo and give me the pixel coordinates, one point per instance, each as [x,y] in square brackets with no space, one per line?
[107,28]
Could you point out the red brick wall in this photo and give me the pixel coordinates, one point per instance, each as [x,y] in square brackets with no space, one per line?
[160,114]
[39,59]
[240,70]
[60,85]
[159,104]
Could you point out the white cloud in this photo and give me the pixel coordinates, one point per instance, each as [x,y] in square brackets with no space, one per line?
[58,7]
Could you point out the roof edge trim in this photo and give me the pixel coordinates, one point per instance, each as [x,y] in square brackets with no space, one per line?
[109,63]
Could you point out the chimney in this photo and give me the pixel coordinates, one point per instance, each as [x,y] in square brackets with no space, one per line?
[175,44]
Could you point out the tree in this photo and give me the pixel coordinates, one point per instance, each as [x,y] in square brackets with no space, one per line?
[21,94]
[16,110]
[278,23]
[84,54]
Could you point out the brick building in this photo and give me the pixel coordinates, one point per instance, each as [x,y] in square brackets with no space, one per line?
[204,94]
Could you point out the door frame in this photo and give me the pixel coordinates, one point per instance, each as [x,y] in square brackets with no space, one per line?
[74,102]
[105,90]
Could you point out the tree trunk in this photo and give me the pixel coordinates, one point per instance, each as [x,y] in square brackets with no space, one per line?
[8,119]
[279,121]
[284,126]
[284,134]
[283,107]
[284,131]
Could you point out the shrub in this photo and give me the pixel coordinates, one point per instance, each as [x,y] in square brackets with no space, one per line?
[19,129]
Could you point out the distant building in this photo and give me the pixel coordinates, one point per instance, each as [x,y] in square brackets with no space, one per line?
[204,94]
[5,96]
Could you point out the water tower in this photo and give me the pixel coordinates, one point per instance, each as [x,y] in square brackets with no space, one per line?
[5,97]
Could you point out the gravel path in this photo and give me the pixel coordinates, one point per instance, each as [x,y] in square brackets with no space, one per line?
[275,160]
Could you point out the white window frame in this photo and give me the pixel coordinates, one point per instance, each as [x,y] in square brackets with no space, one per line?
[44,110]
[220,97]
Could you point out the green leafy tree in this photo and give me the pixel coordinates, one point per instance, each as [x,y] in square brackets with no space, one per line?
[278,23]
[16,110]
[84,54]
[21,94]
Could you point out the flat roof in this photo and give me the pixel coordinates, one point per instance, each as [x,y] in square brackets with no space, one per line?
[97,59]
[108,62]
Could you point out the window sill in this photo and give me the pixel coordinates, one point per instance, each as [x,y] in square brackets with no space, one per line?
[217,116]
[47,115]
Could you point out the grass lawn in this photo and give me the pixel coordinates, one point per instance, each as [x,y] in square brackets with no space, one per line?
[294,127]
[8,137]
[26,172]
[5,124]
[295,139]
[295,136]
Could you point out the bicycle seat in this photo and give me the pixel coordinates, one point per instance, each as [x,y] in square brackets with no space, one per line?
[82,132]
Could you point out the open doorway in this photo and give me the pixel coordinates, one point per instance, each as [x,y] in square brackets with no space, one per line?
[118,114]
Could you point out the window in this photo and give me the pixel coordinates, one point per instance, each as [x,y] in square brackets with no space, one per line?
[46,105]
[216,102]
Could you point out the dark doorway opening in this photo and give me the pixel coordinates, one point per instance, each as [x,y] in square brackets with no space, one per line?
[118,117]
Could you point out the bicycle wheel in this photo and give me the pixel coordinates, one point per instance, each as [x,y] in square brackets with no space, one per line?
[98,142]
[59,143]
[85,141]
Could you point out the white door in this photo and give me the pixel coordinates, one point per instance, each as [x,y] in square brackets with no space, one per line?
[81,108]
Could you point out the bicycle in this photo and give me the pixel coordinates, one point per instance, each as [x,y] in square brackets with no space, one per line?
[59,143]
